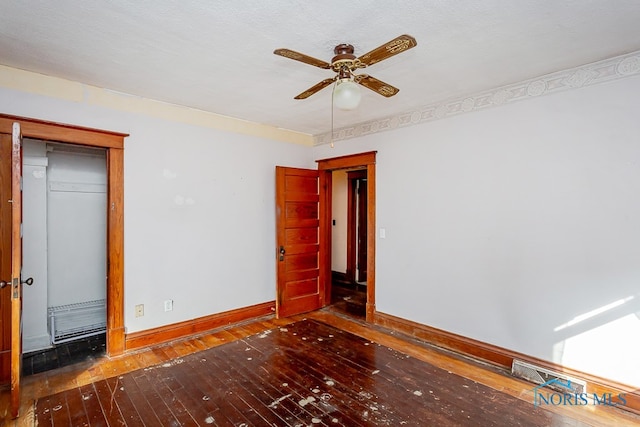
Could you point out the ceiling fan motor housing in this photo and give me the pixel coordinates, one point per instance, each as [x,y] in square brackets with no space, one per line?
[345,61]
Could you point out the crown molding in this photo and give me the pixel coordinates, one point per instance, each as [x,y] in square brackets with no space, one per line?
[607,70]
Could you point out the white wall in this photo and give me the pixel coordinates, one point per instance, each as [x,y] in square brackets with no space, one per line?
[339,195]
[513,224]
[199,209]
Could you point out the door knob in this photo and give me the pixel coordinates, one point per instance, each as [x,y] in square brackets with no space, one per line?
[282,252]
[28,282]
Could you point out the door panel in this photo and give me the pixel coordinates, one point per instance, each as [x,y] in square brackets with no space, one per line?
[16,268]
[5,258]
[299,288]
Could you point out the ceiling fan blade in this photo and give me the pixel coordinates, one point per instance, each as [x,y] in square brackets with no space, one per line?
[376,85]
[315,88]
[389,49]
[302,58]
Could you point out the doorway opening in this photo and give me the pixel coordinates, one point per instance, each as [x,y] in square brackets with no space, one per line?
[349,242]
[64,249]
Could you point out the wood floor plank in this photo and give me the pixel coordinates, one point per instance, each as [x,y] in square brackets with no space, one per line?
[44,412]
[164,393]
[105,398]
[92,407]
[187,390]
[58,409]
[149,412]
[75,405]
[120,397]
[146,389]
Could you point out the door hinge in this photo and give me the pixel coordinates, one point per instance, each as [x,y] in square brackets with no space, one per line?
[21,230]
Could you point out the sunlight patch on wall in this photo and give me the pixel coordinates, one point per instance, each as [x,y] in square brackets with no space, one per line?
[592,313]
[610,349]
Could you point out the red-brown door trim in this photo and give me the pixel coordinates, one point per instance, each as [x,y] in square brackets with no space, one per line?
[353,161]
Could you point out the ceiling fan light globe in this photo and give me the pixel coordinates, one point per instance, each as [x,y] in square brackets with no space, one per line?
[346,95]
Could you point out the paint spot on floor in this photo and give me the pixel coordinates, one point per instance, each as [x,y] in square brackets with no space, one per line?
[57,408]
[209,420]
[417,393]
[316,390]
[205,398]
[284,330]
[377,371]
[278,400]
[330,383]
[325,397]
[320,339]
[365,395]
[264,334]
[285,384]
[305,402]
[316,420]
[335,420]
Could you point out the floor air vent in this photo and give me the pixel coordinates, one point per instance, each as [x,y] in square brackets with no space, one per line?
[554,380]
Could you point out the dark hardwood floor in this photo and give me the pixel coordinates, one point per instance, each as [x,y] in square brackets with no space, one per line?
[319,369]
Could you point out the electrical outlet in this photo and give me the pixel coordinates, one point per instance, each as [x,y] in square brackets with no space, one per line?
[168,305]
[139,310]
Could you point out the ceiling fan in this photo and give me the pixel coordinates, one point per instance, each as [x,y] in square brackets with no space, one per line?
[345,63]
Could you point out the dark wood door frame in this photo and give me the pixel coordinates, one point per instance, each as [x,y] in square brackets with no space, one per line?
[113,143]
[356,219]
[365,161]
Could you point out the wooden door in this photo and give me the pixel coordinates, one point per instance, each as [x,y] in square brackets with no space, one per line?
[5,258]
[300,287]
[16,268]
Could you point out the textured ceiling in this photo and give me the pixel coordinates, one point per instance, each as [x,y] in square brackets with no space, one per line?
[217,55]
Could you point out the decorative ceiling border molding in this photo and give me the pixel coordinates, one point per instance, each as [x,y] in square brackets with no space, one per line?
[603,71]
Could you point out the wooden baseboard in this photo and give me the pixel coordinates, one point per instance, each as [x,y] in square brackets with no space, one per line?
[502,357]
[150,337]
